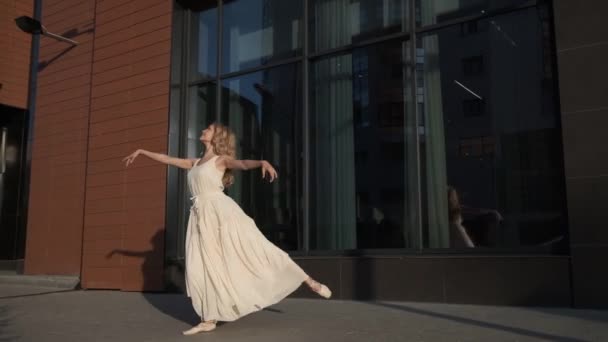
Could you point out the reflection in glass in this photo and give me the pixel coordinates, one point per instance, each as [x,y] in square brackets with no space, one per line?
[363,157]
[201,114]
[257,32]
[264,110]
[335,23]
[491,139]
[203,41]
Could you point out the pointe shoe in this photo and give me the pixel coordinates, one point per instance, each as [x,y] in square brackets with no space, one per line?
[319,288]
[202,327]
[323,291]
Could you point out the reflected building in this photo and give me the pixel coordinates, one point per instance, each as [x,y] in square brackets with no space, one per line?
[499,149]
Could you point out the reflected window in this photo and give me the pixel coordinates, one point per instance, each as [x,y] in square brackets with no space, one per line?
[468,28]
[472,66]
[258,32]
[203,41]
[472,107]
[476,147]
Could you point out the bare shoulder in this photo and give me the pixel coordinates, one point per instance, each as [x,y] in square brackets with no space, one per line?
[222,162]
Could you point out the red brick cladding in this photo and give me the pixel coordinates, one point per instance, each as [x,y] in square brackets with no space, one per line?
[98,102]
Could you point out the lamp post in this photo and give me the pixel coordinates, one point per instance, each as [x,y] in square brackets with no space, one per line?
[33,26]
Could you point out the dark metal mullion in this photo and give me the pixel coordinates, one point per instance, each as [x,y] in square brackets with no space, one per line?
[362,44]
[185,90]
[219,55]
[202,80]
[184,117]
[550,7]
[261,67]
[413,94]
[305,137]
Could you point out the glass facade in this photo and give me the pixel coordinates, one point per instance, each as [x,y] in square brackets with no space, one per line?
[337,23]
[396,126]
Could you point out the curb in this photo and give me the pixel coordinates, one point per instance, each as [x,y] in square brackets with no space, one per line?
[61,282]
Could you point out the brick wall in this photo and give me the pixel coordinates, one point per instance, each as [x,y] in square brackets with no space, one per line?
[59,146]
[125,208]
[15,57]
[97,102]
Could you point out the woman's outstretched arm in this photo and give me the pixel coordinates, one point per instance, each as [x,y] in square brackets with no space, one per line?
[235,164]
[159,157]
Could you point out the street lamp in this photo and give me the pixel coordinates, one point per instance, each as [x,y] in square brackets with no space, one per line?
[33,26]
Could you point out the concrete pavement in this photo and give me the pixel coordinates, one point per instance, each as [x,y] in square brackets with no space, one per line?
[50,314]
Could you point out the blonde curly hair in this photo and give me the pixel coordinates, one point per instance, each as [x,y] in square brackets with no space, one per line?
[224,144]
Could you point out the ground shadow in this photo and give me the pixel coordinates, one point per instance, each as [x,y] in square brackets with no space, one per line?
[5,324]
[595,315]
[175,305]
[478,323]
[273,310]
[365,290]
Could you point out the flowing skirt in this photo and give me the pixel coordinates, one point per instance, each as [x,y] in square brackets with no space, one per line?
[231,268]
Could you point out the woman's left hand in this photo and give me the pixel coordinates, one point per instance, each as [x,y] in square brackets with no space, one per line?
[267,168]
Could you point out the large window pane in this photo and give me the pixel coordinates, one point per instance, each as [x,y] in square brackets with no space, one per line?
[264,110]
[203,41]
[430,12]
[491,144]
[363,151]
[335,23]
[257,32]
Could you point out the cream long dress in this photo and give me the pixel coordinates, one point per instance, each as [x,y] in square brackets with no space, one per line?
[231,268]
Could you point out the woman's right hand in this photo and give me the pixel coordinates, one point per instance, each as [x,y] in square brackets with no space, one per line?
[128,160]
[268,169]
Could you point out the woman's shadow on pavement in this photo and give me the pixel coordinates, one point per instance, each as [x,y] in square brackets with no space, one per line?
[170,301]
